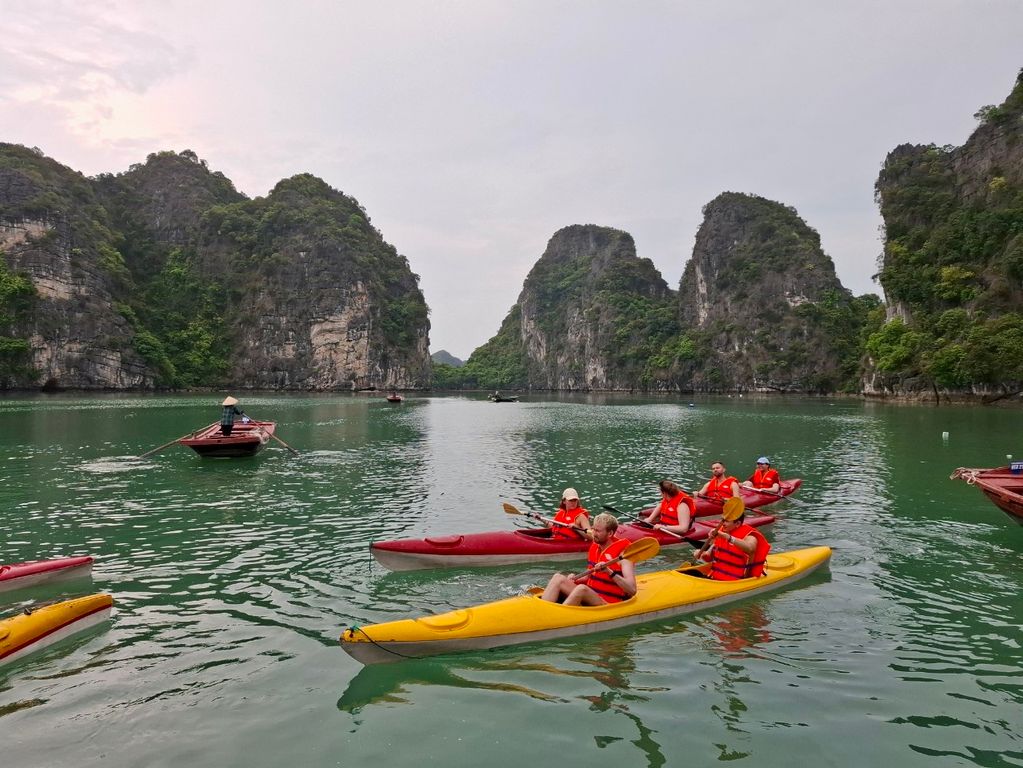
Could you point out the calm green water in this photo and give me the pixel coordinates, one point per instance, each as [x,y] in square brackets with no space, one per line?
[233,578]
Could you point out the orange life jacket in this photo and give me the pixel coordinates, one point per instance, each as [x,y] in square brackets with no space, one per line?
[730,563]
[602,582]
[568,517]
[765,478]
[721,489]
[669,508]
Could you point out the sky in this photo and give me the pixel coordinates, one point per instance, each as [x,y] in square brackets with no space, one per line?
[472,131]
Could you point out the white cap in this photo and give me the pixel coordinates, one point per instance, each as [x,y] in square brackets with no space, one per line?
[569,493]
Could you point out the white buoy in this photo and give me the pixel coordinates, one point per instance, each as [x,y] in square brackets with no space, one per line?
[944,436]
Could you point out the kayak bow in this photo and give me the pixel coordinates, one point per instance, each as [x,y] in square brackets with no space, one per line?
[35,629]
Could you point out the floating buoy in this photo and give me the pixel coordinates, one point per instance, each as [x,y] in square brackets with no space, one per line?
[944,436]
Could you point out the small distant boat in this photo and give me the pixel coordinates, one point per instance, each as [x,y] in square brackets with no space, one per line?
[1003,486]
[504,399]
[36,628]
[246,439]
[28,574]
[394,397]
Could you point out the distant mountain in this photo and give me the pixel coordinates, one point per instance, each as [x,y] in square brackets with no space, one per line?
[446,358]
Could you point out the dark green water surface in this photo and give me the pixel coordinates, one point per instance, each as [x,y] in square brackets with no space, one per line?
[232,580]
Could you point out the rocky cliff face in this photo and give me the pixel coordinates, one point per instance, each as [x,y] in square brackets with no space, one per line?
[952,268]
[589,316]
[54,232]
[760,304]
[319,300]
[166,276]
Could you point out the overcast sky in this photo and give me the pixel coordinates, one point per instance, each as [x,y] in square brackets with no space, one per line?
[472,131]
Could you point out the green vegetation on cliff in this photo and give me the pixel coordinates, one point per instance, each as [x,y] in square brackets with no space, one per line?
[16,297]
[953,258]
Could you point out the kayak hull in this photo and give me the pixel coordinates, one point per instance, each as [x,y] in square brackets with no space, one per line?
[528,619]
[534,545]
[29,574]
[244,440]
[34,630]
[750,497]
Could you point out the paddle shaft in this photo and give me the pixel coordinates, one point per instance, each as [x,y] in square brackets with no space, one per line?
[165,445]
[515,511]
[279,440]
[636,518]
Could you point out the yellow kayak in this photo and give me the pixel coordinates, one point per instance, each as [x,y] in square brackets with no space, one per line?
[36,628]
[528,619]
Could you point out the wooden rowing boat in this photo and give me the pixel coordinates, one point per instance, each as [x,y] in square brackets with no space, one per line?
[246,439]
[1003,486]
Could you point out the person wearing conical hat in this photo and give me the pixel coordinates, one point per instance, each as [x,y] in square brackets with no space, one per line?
[738,551]
[227,415]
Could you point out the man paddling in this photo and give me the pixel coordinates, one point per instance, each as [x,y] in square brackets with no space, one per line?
[610,582]
[764,478]
[738,551]
[720,486]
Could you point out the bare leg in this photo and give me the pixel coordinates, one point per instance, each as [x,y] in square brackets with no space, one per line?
[583,595]
[558,587]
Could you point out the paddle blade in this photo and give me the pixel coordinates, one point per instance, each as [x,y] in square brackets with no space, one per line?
[511,509]
[612,510]
[733,509]
[642,549]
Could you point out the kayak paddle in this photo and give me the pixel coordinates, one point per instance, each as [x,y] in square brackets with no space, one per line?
[513,510]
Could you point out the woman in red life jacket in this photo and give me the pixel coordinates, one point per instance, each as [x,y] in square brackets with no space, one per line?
[721,486]
[764,478]
[739,551]
[611,582]
[575,520]
[675,512]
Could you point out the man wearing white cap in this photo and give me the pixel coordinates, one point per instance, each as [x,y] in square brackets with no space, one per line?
[764,478]
[227,416]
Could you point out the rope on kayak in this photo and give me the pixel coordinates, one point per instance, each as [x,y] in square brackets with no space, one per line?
[962,473]
[356,628]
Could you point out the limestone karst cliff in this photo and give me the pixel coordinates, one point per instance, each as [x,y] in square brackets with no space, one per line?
[952,269]
[166,276]
[761,307]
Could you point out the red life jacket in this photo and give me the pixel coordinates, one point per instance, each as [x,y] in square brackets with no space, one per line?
[721,489]
[730,563]
[669,508]
[568,516]
[602,582]
[765,478]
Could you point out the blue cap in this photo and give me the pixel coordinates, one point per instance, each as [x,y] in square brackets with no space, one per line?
[763,460]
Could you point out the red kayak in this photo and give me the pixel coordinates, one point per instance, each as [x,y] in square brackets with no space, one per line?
[246,439]
[750,497]
[523,546]
[20,575]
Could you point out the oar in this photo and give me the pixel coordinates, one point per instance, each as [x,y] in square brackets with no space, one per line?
[513,510]
[769,493]
[165,445]
[637,551]
[279,440]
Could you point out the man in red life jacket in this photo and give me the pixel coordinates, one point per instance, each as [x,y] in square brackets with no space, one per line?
[575,520]
[764,478]
[739,551]
[611,582]
[721,486]
[675,512]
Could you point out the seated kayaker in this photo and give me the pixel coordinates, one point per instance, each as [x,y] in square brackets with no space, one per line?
[573,518]
[764,477]
[227,415]
[675,512]
[610,582]
[720,486]
[738,551]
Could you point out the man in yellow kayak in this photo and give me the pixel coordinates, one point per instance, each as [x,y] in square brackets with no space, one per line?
[738,551]
[610,580]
